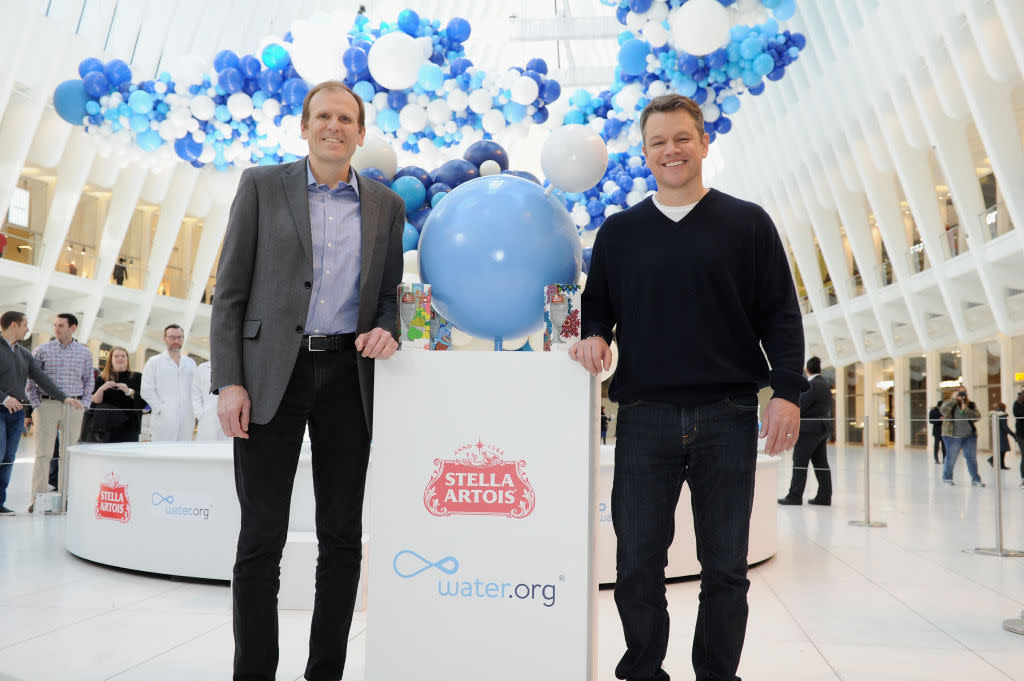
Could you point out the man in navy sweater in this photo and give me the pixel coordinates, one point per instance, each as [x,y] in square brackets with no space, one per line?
[693,283]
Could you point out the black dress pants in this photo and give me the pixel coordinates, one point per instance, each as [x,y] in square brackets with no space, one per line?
[324,392]
[811,448]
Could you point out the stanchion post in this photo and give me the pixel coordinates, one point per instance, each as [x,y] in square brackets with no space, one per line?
[998,550]
[62,464]
[867,480]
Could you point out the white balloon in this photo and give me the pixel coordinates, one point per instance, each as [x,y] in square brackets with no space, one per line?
[612,210]
[634,198]
[574,158]
[580,216]
[525,90]
[376,153]
[370,113]
[316,51]
[640,184]
[209,153]
[412,117]
[166,130]
[635,20]
[202,107]
[493,121]
[458,100]
[480,101]
[609,187]
[395,60]
[655,33]
[240,106]
[628,97]
[426,45]
[380,100]
[659,11]
[700,26]
[490,168]
[657,89]
[439,112]
[710,111]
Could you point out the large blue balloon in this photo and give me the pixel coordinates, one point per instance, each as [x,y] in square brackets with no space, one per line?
[455,172]
[411,190]
[69,99]
[294,91]
[269,80]
[187,148]
[355,61]
[89,65]
[225,59]
[96,84]
[117,72]
[230,79]
[487,150]
[409,22]
[414,171]
[489,249]
[458,29]
[633,56]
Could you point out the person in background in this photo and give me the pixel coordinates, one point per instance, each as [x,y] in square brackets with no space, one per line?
[1018,429]
[204,406]
[959,415]
[935,418]
[68,363]
[605,420]
[16,365]
[119,391]
[120,272]
[811,448]
[999,411]
[167,389]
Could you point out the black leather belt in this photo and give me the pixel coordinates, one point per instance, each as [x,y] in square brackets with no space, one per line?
[335,343]
[47,397]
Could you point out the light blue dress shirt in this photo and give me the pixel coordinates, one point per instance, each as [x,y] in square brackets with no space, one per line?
[335,219]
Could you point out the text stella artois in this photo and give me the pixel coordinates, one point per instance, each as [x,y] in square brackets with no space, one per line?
[478,481]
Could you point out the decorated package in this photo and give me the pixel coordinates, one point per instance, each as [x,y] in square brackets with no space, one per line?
[561,316]
[414,312]
[440,331]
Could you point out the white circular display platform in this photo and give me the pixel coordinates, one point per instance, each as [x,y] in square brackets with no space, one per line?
[170,508]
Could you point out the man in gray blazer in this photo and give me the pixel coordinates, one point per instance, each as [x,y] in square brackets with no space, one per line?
[306,301]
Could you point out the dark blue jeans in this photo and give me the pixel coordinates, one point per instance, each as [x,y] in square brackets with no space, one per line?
[11,427]
[713,448]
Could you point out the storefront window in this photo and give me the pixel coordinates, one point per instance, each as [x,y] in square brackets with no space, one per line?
[854,376]
[917,398]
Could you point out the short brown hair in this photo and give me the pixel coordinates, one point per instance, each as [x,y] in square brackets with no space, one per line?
[9,318]
[669,103]
[333,85]
[172,326]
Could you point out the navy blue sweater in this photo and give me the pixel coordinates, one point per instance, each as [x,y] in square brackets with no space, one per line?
[692,302]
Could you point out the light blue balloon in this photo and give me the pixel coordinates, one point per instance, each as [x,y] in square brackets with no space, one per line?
[489,248]
[412,192]
[149,140]
[140,101]
[138,122]
[730,104]
[221,113]
[763,64]
[69,99]
[514,112]
[430,76]
[785,10]
[387,120]
[687,86]
[364,89]
[633,56]
[410,238]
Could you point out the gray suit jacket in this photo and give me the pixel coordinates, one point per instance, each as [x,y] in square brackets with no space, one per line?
[265,275]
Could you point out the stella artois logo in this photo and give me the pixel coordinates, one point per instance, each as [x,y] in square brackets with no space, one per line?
[479,481]
[112,503]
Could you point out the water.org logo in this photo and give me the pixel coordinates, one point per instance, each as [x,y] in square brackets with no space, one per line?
[409,564]
[165,505]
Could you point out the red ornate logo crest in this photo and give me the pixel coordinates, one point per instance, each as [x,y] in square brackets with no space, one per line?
[112,503]
[478,481]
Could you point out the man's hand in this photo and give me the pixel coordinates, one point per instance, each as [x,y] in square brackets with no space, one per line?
[593,353]
[12,404]
[781,426]
[233,411]
[74,402]
[376,344]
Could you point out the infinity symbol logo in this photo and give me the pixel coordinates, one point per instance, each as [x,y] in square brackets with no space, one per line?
[157,499]
[414,564]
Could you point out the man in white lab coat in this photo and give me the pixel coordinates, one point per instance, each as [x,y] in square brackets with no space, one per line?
[167,387]
[204,406]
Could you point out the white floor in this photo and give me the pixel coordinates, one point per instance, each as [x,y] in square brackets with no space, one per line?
[837,602]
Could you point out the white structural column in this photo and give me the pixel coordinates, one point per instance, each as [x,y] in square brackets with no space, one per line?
[214,226]
[1011,19]
[172,212]
[74,168]
[841,414]
[901,402]
[124,197]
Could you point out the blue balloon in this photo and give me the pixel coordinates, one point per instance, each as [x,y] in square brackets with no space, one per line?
[785,10]
[455,172]
[723,125]
[458,29]
[763,64]
[375,174]
[633,56]
[523,174]
[250,66]
[414,171]
[275,57]
[187,148]
[410,238]
[412,192]
[435,189]
[540,116]
[459,66]
[293,91]
[489,248]
[140,102]
[269,80]
[538,65]
[387,120]
[96,84]
[138,123]
[639,6]
[221,113]
[117,72]
[514,112]
[730,104]
[225,59]
[89,65]
[365,90]
[418,218]
[69,99]
[397,99]
[409,22]
[230,79]
[355,60]
[486,150]
[430,76]
[436,198]
[550,91]
[587,253]
[149,140]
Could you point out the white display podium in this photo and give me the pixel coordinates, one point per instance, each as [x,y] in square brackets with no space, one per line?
[483,524]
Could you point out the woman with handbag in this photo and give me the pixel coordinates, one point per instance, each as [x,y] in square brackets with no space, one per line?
[116,413]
